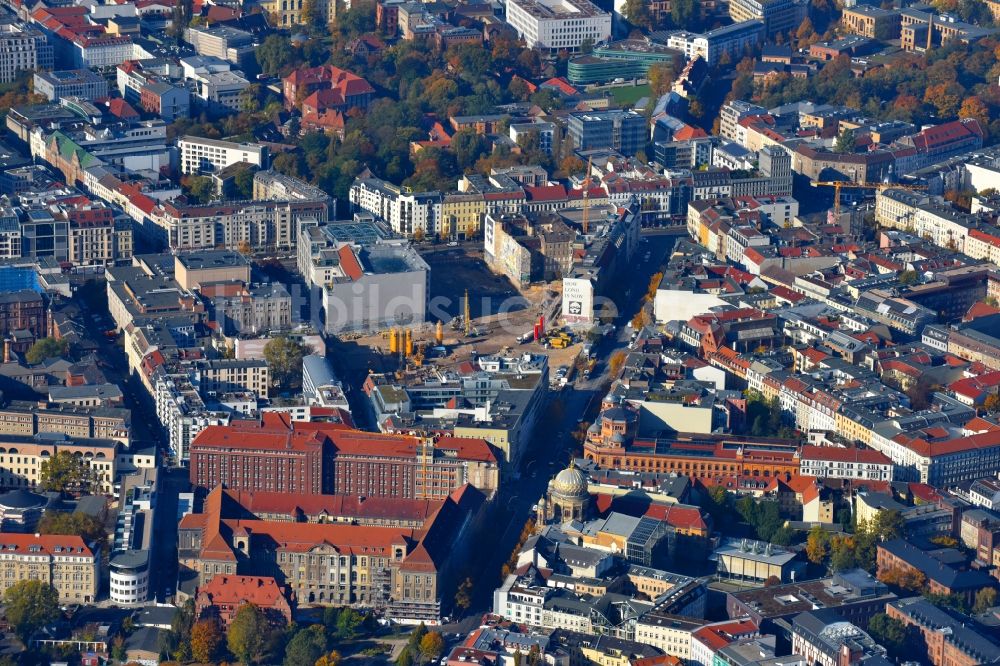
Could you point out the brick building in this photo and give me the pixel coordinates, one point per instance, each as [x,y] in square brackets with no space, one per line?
[22,310]
[942,578]
[951,641]
[275,455]
[269,461]
[347,90]
[223,595]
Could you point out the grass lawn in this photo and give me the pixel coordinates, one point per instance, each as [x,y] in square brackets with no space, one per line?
[630,94]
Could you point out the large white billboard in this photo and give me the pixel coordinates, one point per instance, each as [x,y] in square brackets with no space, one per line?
[577,301]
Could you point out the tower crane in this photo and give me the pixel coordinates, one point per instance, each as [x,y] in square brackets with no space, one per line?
[838,184]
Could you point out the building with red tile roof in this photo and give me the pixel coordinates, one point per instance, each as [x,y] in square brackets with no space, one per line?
[222,596]
[404,571]
[339,89]
[275,455]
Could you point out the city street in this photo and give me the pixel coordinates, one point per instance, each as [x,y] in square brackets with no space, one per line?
[553,443]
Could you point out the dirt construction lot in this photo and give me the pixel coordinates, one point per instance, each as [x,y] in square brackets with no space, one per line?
[499,315]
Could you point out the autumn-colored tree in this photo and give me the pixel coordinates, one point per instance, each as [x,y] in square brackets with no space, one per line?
[431,645]
[904,578]
[805,31]
[331,659]
[975,107]
[206,639]
[661,77]
[654,284]
[946,98]
[616,362]
[772,581]
[816,545]
[641,319]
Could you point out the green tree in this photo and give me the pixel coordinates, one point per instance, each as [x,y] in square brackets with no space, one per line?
[349,623]
[247,633]
[468,147]
[275,54]
[46,348]
[284,359]
[986,599]
[638,14]
[118,651]
[844,142]
[87,527]
[64,472]
[306,646]
[206,639]
[243,182]
[684,14]
[888,632]
[30,604]
[199,188]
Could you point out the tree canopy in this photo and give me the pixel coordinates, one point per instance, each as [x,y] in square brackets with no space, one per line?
[65,472]
[29,605]
[284,359]
[46,348]
[248,633]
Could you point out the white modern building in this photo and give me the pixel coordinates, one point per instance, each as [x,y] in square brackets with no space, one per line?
[129,574]
[558,24]
[199,155]
[731,39]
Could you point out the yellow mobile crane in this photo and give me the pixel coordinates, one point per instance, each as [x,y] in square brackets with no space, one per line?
[837,184]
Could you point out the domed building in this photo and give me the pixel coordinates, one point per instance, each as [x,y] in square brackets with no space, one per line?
[20,510]
[567,498]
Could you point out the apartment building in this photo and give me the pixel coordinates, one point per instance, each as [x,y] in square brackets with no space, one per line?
[276,186]
[30,418]
[23,310]
[407,213]
[22,49]
[92,235]
[21,458]
[67,563]
[235,225]
[200,155]
[558,25]
[287,13]
[951,641]
[82,83]
[731,40]
[844,463]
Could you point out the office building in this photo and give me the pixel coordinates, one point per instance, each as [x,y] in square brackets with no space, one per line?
[778,15]
[275,455]
[624,131]
[22,49]
[82,83]
[557,25]
[200,155]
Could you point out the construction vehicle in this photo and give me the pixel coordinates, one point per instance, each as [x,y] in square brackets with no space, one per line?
[878,187]
[559,339]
